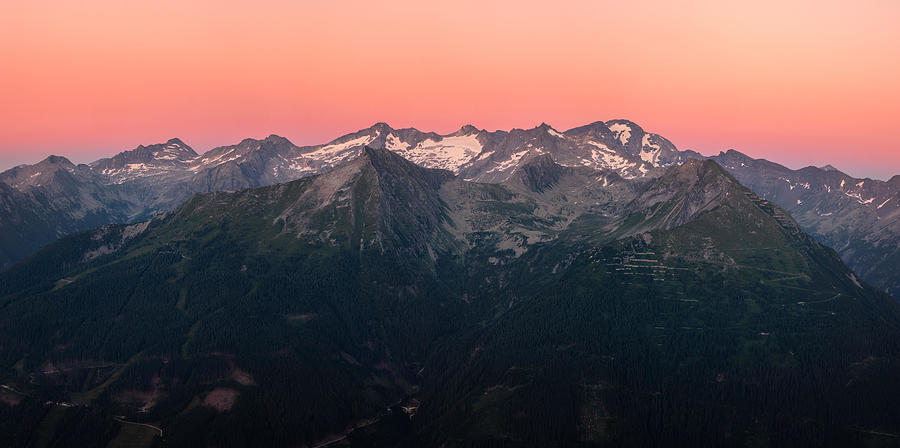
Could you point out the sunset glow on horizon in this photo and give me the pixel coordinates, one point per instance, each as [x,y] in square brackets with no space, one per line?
[796,82]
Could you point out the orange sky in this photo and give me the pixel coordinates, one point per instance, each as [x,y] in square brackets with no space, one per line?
[796,82]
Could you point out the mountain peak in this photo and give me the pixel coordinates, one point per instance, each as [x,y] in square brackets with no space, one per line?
[546,128]
[692,188]
[277,139]
[396,201]
[381,127]
[390,166]
[595,124]
[622,121]
[597,128]
[733,153]
[385,157]
[39,174]
[467,130]
[894,180]
[56,160]
[705,167]
[177,144]
[626,132]
[696,172]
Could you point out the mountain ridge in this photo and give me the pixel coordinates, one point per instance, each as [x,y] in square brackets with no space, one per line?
[143,182]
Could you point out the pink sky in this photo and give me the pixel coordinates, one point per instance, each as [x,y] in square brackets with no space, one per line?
[800,83]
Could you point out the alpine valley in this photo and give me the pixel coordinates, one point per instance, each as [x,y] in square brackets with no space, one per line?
[593,287]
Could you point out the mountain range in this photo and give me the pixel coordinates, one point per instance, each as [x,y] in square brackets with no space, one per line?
[860,218]
[381,303]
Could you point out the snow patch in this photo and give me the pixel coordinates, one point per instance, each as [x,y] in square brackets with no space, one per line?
[448,153]
[337,147]
[168,156]
[622,131]
[209,161]
[554,133]
[507,164]
[337,152]
[607,158]
[858,197]
[137,167]
[393,143]
[650,156]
